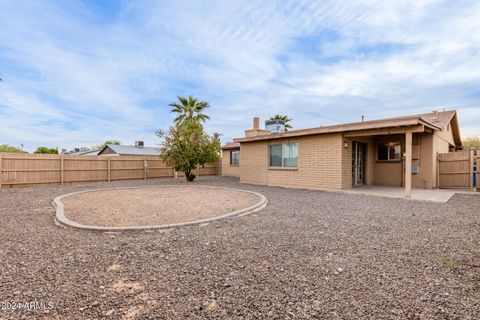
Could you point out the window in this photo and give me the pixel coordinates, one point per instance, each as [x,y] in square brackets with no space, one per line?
[284,155]
[235,157]
[389,151]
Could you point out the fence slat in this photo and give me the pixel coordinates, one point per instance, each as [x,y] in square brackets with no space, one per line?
[62,171]
[108,170]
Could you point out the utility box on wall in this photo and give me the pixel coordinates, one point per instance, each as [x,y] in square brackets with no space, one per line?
[415,169]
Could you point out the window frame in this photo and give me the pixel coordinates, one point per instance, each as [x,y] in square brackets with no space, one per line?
[231,158]
[283,166]
[390,145]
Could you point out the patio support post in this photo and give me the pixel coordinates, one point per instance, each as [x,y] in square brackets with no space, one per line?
[408,164]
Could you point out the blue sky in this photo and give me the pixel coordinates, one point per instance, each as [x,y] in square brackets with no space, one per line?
[76,73]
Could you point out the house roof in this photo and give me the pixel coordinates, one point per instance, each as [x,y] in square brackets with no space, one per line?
[231,145]
[124,150]
[434,120]
[87,153]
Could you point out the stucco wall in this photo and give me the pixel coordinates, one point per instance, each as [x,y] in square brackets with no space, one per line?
[422,157]
[229,170]
[388,173]
[319,163]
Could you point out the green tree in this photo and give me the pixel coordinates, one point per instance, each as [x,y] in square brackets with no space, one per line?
[472,143]
[46,150]
[189,109]
[9,148]
[186,146]
[286,119]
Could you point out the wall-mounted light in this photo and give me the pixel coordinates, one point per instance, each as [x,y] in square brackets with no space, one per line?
[345,145]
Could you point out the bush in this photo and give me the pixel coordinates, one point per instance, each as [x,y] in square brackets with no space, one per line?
[46,150]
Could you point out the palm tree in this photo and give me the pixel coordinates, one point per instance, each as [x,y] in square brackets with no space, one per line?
[189,109]
[217,136]
[286,119]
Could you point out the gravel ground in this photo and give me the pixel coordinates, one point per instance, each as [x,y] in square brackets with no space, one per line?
[154,206]
[308,254]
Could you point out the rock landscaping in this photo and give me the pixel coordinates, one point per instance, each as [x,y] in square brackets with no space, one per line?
[308,254]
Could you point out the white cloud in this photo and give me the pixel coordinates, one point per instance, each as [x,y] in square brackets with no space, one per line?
[76,75]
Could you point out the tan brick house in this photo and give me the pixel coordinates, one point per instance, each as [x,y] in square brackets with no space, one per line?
[388,152]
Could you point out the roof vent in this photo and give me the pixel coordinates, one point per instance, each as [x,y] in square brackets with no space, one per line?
[139,144]
[275,125]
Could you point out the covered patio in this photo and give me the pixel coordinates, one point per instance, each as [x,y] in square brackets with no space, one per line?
[400,159]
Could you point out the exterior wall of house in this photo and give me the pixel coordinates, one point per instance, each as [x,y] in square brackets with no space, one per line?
[325,163]
[388,173]
[320,163]
[422,151]
[229,170]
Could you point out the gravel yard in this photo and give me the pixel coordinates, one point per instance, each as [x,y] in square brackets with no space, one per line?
[308,254]
[153,206]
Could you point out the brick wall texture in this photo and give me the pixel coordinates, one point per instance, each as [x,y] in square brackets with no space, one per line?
[321,163]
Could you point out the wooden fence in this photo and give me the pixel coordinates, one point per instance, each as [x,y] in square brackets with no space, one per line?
[455,169]
[26,169]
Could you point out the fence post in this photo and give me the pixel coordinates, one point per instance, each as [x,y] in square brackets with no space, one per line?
[1,170]
[145,169]
[438,172]
[470,169]
[108,170]
[62,170]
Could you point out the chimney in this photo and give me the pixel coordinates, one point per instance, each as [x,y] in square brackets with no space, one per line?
[256,131]
[256,123]
[139,144]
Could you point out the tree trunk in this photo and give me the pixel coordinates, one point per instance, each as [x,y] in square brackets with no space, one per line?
[189,176]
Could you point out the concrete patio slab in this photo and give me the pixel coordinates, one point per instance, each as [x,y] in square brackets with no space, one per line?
[435,195]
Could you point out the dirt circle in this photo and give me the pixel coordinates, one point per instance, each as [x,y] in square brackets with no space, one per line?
[153,207]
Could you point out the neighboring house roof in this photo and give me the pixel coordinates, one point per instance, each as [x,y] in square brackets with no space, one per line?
[88,153]
[124,150]
[83,153]
[231,145]
[434,120]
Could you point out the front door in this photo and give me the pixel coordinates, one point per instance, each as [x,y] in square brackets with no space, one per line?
[358,163]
